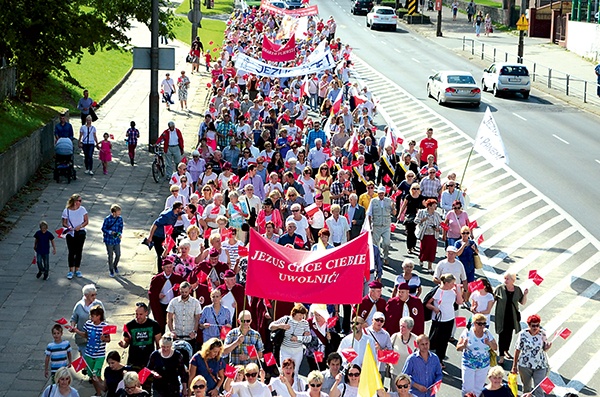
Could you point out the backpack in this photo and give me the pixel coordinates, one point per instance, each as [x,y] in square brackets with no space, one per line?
[426,311]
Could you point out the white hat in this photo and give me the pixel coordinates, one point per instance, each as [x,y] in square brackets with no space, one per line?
[321,309]
[381,189]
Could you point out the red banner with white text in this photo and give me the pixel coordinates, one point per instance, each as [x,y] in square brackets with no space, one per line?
[333,276]
[276,53]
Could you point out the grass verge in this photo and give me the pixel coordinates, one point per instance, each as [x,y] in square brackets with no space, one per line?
[221,7]
[212,31]
[99,73]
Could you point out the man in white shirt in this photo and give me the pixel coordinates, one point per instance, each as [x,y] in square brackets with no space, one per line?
[168,88]
[381,336]
[358,341]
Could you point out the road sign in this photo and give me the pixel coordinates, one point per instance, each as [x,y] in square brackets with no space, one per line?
[522,23]
[166,58]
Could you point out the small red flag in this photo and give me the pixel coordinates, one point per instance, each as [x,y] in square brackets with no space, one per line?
[175,288]
[34,260]
[269,359]
[225,234]
[267,303]
[168,230]
[475,286]
[242,251]
[61,321]
[331,321]
[144,374]
[355,163]
[388,356]
[252,353]
[480,239]
[111,136]
[435,388]
[230,371]
[202,277]
[169,243]
[109,330]
[473,225]
[174,179]
[546,385]
[312,209]
[207,232]
[444,226]
[224,331]
[396,194]
[424,171]
[215,210]
[461,322]
[79,364]
[393,227]
[237,207]
[349,354]
[319,356]
[387,178]
[538,279]
[60,232]
[125,329]
[532,274]
[368,167]
[211,42]
[299,242]
[438,173]
[565,333]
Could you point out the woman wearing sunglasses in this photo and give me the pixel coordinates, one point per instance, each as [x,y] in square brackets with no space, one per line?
[315,382]
[348,388]
[475,345]
[251,387]
[402,387]
[198,386]
[132,386]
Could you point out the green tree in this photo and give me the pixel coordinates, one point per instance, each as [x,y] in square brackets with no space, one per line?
[39,37]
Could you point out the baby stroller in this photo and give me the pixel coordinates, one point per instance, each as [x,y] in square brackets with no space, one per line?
[63,164]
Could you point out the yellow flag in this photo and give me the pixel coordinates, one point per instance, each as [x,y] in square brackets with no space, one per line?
[370,379]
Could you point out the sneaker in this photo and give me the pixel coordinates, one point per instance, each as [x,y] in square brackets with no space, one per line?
[91,172]
[78,274]
[87,171]
[112,274]
[105,172]
[45,276]
[38,275]
[116,270]
[70,275]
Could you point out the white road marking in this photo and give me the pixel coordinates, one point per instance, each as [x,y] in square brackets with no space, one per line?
[521,117]
[373,35]
[597,161]
[416,60]
[382,42]
[560,139]
[398,51]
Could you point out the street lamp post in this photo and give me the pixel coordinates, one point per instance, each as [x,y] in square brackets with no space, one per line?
[154,99]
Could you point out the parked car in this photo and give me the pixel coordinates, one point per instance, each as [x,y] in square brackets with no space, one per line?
[293,4]
[507,77]
[361,7]
[382,16]
[454,87]
[278,4]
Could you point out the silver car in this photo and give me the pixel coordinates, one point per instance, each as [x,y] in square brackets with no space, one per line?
[507,77]
[382,16]
[454,87]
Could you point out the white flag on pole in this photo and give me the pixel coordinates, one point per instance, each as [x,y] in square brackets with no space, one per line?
[488,141]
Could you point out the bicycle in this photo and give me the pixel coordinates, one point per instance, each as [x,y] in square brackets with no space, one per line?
[158,164]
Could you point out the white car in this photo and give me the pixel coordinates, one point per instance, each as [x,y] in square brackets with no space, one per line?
[507,77]
[382,16]
[454,87]
[279,4]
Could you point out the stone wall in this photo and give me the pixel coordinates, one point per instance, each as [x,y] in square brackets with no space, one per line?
[497,14]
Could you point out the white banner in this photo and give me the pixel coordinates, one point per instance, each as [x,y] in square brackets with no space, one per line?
[488,141]
[259,68]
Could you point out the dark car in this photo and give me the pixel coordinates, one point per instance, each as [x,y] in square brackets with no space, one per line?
[293,4]
[361,7]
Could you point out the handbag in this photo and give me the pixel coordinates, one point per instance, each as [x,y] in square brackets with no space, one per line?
[93,114]
[278,335]
[189,58]
[477,261]
[493,358]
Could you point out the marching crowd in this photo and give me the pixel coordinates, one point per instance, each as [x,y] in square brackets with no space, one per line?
[298,160]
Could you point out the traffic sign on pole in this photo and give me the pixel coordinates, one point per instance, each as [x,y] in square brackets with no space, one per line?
[522,23]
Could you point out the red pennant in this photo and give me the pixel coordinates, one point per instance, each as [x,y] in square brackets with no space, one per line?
[242,251]
[387,178]
[224,331]
[230,371]
[78,364]
[174,179]
[175,288]
[208,85]
[34,260]
[211,42]
[461,322]
[435,388]
[532,274]
[393,227]
[61,321]
[565,333]
[349,354]
[331,321]
[184,160]
[538,279]
[269,359]
[444,226]
[327,151]
[388,356]
[193,221]
[299,242]
[252,353]
[168,229]
[109,330]
[319,356]
[388,189]
[480,239]
[475,286]
[144,374]
[60,233]
[424,171]
[546,385]
[473,225]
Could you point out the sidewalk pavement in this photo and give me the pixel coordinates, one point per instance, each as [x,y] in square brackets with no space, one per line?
[28,305]
[540,51]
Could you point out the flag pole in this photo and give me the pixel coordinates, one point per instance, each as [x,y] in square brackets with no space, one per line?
[462,177]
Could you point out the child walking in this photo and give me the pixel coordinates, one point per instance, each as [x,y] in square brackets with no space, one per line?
[207,59]
[95,350]
[112,229]
[132,136]
[105,152]
[58,353]
[41,246]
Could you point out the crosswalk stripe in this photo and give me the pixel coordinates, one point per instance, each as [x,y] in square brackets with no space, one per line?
[492,182]
[523,222]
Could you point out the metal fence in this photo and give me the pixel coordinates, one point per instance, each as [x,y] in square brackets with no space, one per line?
[8,82]
[584,90]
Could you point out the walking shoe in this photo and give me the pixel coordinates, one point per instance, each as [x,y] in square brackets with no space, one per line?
[105,172]
[70,275]
[45,276]
[87,171]
[78,274]
[116,270]
[38,275]
[112,274]
[91,172]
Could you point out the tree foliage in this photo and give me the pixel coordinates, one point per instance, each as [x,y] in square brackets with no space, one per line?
[41,36]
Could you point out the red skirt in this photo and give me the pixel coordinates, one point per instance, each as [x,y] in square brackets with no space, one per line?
[428,248]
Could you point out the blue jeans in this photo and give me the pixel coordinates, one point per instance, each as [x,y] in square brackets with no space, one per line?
[114,254]
[43,262]
[313,102]
[88,152]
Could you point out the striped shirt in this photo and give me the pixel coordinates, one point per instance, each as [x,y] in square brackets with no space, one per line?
[95,347]
[58,353]
[297,329]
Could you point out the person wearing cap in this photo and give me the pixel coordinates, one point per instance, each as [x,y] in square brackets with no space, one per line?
[232,294]
[381,337]
[232,153]
[172,140]
[380,211]
[451,265]
[141,335]
[370,303]
[161,291]
[403,304]
[291,238]
[357,340]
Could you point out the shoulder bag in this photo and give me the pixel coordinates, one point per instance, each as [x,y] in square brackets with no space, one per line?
[278,335]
